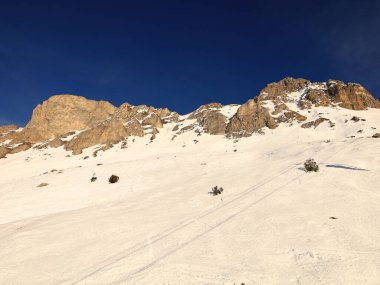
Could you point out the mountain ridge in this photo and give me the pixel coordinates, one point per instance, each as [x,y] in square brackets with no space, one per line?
[90,123]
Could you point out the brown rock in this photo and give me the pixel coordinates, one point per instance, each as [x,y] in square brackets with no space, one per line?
[56,143]
[4,151]
[250,118]
[21,147]
[288,115]
[281,88]
[315,123]
[7,128]
[318,97]
[64,113]
[153,120]
[208,107]
[210,119]
[377,135]
[107,133]
[351,96]
[134,128]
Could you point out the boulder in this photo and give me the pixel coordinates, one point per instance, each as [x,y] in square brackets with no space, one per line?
[113,179]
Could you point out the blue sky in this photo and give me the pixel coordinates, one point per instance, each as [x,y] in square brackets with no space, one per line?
[179,54]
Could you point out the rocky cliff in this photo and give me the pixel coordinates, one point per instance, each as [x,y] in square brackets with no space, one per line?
[76,123]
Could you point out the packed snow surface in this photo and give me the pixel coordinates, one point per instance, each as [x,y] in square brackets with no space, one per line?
[273,224]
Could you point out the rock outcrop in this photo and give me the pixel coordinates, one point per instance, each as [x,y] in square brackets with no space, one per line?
[333,92]
[210,119]
[61,114]
[77,123]
[315,123]
[7,128]
[280,89]
[107,133]
[351,96]
[250,118]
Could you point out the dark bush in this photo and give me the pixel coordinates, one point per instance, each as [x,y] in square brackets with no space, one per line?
[216,190]
[355,119]
[94,178]
[113,179]
[311,165]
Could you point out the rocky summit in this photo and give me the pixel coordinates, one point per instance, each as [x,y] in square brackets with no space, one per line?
[76,123]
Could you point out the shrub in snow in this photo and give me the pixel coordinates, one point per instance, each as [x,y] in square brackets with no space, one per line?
[311,165]
[113,179]
[216,190]
[94,178]
[355,119]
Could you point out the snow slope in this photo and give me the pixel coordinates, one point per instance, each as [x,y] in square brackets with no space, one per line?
[274,223]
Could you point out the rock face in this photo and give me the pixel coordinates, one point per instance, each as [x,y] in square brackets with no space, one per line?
[333,92]
[64,113]
[4,151]
[282,88]
[286,115]
[250,118]
[351,96]
[107,133]
[7,129]
[56,143]
[210,119]
[77,123]
[318,97]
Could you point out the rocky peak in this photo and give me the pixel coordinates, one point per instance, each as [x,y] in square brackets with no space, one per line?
[61,114]
[280,89]
[54,123]
[351,95]
[333,92]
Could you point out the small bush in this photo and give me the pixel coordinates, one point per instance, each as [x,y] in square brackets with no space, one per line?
[216,190]
[355,119]
[311,165]
[113,179]
[94,178]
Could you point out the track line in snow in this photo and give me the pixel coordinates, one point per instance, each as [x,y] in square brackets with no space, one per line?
[160,236]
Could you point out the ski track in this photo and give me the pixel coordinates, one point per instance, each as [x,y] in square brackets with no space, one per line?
[136,248]
[174,176]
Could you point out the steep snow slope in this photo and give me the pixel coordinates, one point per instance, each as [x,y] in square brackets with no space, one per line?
[158,225]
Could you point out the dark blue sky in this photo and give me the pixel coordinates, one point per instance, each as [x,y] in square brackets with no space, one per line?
[179,54]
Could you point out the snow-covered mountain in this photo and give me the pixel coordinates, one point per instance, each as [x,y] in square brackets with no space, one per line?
[273,224]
